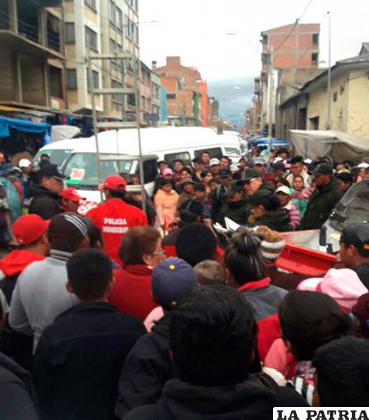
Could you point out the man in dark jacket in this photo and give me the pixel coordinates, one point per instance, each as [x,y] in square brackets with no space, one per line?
[44,197]
[149,365]
[219,193]
[267,211]
[323,199]
[236,207]
[80,356]
[17,396]
[212,339]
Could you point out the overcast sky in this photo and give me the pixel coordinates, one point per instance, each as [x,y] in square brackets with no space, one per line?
[196,31]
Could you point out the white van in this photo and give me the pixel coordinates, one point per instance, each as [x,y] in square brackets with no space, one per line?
[119,153]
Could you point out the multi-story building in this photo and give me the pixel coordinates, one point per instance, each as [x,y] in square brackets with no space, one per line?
[343,108]
[156,97]
[291,47]
[31,55]
[94,27]
[184,87]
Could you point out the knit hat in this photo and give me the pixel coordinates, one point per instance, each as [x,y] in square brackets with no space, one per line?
[172,278]
[343,285]
[273,243]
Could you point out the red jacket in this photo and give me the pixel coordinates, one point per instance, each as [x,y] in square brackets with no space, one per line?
[114,218]
[265,300]
[132,291]
[17,261]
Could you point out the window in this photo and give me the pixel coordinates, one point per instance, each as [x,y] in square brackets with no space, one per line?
[91,4]
[342,90]
[315,39]
[91,38]
[171,96]
[95,80]
[335,95]
[314,57]
[111,12]
[85,163]
[131,99]
[117,97]
[264,39]
[171,157]
[215,152]
[70,37]
[71,79]
[118,18]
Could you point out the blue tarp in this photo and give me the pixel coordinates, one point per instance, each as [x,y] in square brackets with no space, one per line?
[264,141]
[25,127]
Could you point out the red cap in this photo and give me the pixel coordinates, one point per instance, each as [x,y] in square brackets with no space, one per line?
[71,194]
[114,183]
[29,228]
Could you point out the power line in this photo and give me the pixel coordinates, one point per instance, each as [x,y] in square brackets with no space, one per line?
[294,26]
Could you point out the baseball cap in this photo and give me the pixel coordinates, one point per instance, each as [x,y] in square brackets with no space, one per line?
[172,278]
[214,162]
[250,174]
[50,170]
[29,227]
[24,163]
[259,161]
[113,183]
[323,169]
[224,173]
[70,194]
[356,234]
[283,189]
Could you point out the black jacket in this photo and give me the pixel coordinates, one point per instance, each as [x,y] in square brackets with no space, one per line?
[237,211]
[79,359]
[43,202]
[278,220]
[322,201]
[253,399]
[17,397]
[147,368]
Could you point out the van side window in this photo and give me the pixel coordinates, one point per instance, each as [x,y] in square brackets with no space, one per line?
[150,170]
[171,157]
[215,152]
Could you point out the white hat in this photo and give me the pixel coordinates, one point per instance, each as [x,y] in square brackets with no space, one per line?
[24,163]
[283,189]
[362,165]
[214,162]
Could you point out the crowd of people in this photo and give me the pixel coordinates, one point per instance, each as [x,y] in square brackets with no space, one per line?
[121,313]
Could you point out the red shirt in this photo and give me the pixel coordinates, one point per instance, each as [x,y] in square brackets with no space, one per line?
[132,291]
[114,218]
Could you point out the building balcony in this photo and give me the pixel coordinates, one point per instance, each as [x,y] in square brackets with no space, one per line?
[26,38]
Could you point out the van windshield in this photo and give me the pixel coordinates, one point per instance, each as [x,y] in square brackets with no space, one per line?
[81,168]
[57,156]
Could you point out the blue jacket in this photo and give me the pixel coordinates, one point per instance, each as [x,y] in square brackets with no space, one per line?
[79,359]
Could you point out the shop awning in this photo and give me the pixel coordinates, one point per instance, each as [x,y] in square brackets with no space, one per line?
[24,126]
